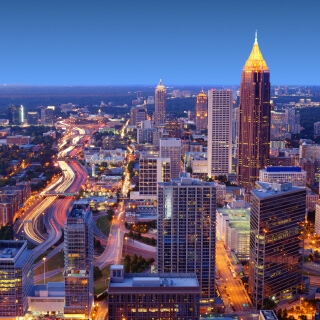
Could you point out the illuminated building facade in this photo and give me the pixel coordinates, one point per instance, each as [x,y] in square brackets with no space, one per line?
[171,148]
[219,132]
[16,114]
[187,230]
[202,111]
[160,106]
[33,118]
[295,175]
[16,278]
[277,213]
[78,261]
[47,115]
[152,170]
[145,296]
[174,128]
[254,119]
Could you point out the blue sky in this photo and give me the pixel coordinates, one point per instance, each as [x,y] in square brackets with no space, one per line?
[184,42]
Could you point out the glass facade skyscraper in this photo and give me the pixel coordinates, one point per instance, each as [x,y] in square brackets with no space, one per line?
[254,119]
[277,214]
[78,261]
[187,230]
[16,278]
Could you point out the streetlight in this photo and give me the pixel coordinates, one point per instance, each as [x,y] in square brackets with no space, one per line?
[44,269]
[126,239]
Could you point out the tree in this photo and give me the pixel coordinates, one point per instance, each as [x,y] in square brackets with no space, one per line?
[97,274]
[269,304]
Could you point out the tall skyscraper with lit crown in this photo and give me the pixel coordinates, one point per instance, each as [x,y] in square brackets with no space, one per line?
[160,106]
[202,111]
[254,119]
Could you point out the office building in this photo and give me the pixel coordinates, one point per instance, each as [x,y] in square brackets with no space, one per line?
[47,116]
[152,170]
[316,128]
[78,261]
[277,214]
[233,227]
[278,128]
[292,119]
[186,235]
[254,119]
[16,278]
[295,175]
[16,114]
[171,148]
[137,115]
[201,111]
[160,106]
[145,296]
[174,128]
[219,132]
[32,118]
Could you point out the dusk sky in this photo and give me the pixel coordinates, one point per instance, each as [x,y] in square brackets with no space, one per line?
[126,42]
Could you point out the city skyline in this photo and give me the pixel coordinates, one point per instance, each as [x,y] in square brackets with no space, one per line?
[117,43]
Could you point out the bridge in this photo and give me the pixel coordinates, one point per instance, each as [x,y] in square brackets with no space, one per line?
[64,194]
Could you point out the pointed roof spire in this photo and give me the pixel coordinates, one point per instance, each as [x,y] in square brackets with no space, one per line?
[255,61]
[160,85]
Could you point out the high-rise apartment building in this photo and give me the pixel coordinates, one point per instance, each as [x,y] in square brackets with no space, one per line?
[16,278]
[202,111]
[78,261]
[219,132]
[16,114]
[187,230]
[254,119]
[152,170]
[171,148]
[277,214]
[160,106]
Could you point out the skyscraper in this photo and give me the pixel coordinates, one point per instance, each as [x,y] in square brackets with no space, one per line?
[16,278]
[171,148]
[152,170]
[160,106]
[254,119]
[201,111]
[78,261]
[219,132]
[277,214]
[186,230]
[16,114]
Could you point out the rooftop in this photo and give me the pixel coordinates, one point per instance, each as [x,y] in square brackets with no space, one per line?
[266,190]
[282,169]
[10,249]
[157,280]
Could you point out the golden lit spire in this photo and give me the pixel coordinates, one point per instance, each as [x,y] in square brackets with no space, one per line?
[202,93]
[160,85]
[255,61]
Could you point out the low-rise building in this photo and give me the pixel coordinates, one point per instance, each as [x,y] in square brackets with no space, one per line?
[152,296]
